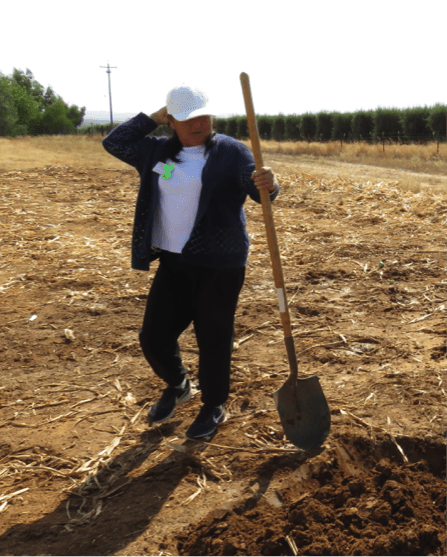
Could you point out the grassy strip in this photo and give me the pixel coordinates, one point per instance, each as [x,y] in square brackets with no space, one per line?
[87,152]
[413,157]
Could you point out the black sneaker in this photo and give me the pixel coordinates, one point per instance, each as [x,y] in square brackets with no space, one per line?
[171,397]
[206,422]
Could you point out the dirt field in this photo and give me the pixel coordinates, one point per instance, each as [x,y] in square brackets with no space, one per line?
[81,473]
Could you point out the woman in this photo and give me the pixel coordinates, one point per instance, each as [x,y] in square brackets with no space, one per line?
[190,214]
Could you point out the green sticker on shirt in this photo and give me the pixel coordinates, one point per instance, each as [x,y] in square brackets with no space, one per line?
[168,168]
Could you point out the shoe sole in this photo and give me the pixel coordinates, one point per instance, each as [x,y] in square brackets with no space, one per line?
[182,400]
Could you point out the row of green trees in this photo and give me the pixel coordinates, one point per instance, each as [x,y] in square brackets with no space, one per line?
[27,108]
[419,124]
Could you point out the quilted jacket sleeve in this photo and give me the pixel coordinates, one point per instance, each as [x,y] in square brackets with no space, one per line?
[128,141]
[247,166]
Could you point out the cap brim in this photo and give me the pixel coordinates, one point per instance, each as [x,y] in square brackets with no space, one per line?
[188,115]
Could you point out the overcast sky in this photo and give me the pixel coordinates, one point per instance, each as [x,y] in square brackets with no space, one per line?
[301,56]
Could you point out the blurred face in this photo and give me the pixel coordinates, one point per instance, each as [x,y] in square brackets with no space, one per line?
[192,132]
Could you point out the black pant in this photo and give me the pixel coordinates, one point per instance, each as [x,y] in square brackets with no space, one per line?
[182,293]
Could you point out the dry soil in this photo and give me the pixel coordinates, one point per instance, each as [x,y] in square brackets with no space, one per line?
[82,473]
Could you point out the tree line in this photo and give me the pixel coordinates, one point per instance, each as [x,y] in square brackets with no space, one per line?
[409,125]
[27,108]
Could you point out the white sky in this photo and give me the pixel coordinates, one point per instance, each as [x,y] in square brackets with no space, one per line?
[301,56]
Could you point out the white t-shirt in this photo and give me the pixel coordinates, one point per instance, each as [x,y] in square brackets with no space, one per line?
[179,200]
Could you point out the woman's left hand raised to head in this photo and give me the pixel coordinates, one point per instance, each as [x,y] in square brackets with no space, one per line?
[265,178]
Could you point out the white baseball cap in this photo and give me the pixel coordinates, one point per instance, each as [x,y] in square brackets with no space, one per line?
[185,102]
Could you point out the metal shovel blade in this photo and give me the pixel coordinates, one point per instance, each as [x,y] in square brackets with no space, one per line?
[304,412]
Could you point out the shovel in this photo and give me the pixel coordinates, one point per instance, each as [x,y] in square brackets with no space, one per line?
[301,404]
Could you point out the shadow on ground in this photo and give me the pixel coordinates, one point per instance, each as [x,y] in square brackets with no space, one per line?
[112,509]
[105,519]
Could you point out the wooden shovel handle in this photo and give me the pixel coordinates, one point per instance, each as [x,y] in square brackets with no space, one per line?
[270,230]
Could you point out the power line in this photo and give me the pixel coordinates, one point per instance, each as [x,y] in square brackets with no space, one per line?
[108,71]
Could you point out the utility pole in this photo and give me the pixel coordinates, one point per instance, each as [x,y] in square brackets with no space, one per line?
[108,70]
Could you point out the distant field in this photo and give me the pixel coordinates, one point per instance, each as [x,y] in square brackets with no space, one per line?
[87,152]
[413,157]
[71,150]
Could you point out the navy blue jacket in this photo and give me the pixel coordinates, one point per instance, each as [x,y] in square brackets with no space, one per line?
[219,237]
